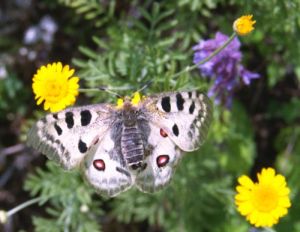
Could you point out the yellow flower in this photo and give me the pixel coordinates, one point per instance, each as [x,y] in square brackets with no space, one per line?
[244,25]
[264,202]
[54,85]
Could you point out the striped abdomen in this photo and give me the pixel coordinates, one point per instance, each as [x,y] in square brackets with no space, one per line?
[132,146]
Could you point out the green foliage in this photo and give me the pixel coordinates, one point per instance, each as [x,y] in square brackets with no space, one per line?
[276,20]
[288,111]
[133,57]
[149,47]
[196,5]
[72,207]
[189,203]
[12,94]
[92,9]
[235,140]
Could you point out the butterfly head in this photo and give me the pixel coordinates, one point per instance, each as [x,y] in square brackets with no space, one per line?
[125,102]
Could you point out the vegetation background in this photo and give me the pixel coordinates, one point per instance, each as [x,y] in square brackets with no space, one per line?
[122,45]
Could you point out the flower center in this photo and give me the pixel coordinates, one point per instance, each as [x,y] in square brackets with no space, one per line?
[265,198]
[55,90]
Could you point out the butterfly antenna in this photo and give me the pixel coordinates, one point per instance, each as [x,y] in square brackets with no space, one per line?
[145,86]
[106,89]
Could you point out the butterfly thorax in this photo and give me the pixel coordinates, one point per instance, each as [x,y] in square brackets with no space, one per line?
[132,145]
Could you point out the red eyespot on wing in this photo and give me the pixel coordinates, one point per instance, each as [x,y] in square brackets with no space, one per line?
[99,164]
[162,160]
[163,133]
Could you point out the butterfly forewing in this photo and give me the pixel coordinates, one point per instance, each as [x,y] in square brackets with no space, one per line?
[184,116]
[65,137]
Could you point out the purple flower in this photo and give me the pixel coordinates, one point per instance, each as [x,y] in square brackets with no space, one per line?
[225,68]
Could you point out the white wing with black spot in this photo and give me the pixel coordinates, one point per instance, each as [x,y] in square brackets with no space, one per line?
[179,122]
[184,116]
[105,170]
[160,164]
[66,137]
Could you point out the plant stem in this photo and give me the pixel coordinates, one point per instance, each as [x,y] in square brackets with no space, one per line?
[89,90]
[214,53]
[23,205]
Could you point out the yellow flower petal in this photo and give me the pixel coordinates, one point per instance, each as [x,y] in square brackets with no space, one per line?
[245,208]
[242,196]
[58,67]
[264,202]
[244,25]
[39,101]
[55,85]
[246,181]
[284,191]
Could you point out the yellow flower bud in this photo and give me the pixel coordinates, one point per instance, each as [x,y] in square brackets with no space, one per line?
[244,25]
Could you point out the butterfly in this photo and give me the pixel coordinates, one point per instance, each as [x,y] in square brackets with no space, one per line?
[138,142]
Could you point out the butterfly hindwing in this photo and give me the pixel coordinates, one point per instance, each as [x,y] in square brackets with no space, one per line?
[65,137]
[159,163]
[105,170]
[184,116]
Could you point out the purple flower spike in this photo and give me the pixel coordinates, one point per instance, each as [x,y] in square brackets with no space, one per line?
[225,68]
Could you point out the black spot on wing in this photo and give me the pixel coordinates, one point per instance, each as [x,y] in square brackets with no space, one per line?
[175,129]
[55,116]
[86,117]
[192,107]
[82,146]
[69,119]
[57,128]
[190,94]
[179,101]
[165,104]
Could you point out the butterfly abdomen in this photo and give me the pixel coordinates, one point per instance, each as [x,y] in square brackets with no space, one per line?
[132,146]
